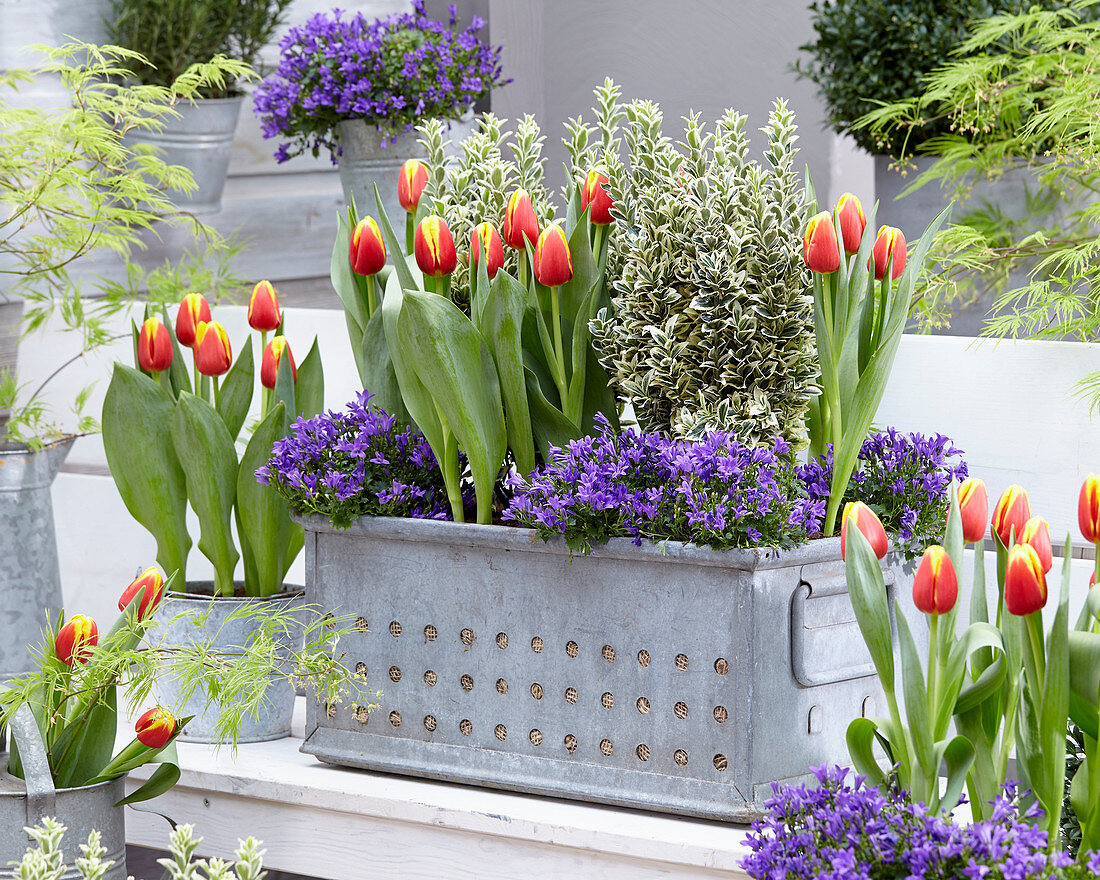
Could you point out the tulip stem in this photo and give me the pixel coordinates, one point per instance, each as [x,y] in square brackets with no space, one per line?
[372,302]
[214,396]
[198,378]
[933,659]
[410,231]
[523,269]
[559,353]
[598,244]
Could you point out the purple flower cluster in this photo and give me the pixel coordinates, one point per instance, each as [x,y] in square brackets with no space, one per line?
[392,71]
[713,492]
[843,829]
[904,478]
[355,463]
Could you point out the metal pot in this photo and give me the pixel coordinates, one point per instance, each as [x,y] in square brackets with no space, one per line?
[82,810]
[30,579]
[365,162]
[194,617]
[201,140]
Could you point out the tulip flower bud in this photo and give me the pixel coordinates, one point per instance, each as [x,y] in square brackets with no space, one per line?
[553,262]
[155,728]
[263,308]
[869,524]
[1036,532]
[154,348]
[820,250]
[410,186]
[1088,509]
[150,583]
[435,247]
[490,242]
[213,355]
[935,585]
[520,222]
[368,251]
[974,507]
[1012,512]
[889,243]
[75,640]
[852,222]
[193,310]
[1025,581]
[269,366]
[594,196]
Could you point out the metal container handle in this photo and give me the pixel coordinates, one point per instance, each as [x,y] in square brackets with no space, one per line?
[41,794]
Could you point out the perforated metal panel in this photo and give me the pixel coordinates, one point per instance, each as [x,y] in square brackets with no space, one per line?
[636,677]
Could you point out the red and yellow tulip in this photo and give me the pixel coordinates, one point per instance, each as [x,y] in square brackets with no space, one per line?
[263,308]
[520,222]
[974,507]
[155,728]
[890,243]
[150,584]
[553,261]
[486,238]
[434,247]
[411,181]
[852,222]
[367,252]
[596,199]
[935,585]
[213,354]
[1088,509]
[1036,532]
[75,640]
[1025,581]
[154,347]
[273,354]
[1011,514]
[865,520]
[820,249]
[193,311]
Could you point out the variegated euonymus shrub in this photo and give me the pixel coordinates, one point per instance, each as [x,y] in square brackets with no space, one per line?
[711,318]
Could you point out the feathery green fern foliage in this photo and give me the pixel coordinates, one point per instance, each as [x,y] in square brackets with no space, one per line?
[1029,84]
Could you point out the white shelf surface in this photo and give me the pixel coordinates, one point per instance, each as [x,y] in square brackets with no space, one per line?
[343,824]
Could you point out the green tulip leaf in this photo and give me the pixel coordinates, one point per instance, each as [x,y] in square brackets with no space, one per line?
[343,278]
[957,757]
[309,395]
[861,738]
[235,394]
[285,390]
[549,424]
[916,697]
[867,591]
[502,325]
[264,515]
[137,415]
[378,375]
[178,375]
[85,743]
[416,397]
[455,365]
[206,452]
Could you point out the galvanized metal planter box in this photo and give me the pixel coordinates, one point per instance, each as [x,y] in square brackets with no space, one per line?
[667,677]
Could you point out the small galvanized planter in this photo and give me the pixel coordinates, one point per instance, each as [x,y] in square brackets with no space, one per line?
[30,579]
[189,618]
[200,138]
[24,804]
[667,677]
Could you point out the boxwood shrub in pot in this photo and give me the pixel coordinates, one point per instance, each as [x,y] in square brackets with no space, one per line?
[172,440]
[169,36]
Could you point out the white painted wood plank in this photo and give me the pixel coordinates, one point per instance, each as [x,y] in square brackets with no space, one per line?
[1010,407]
[334,822]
